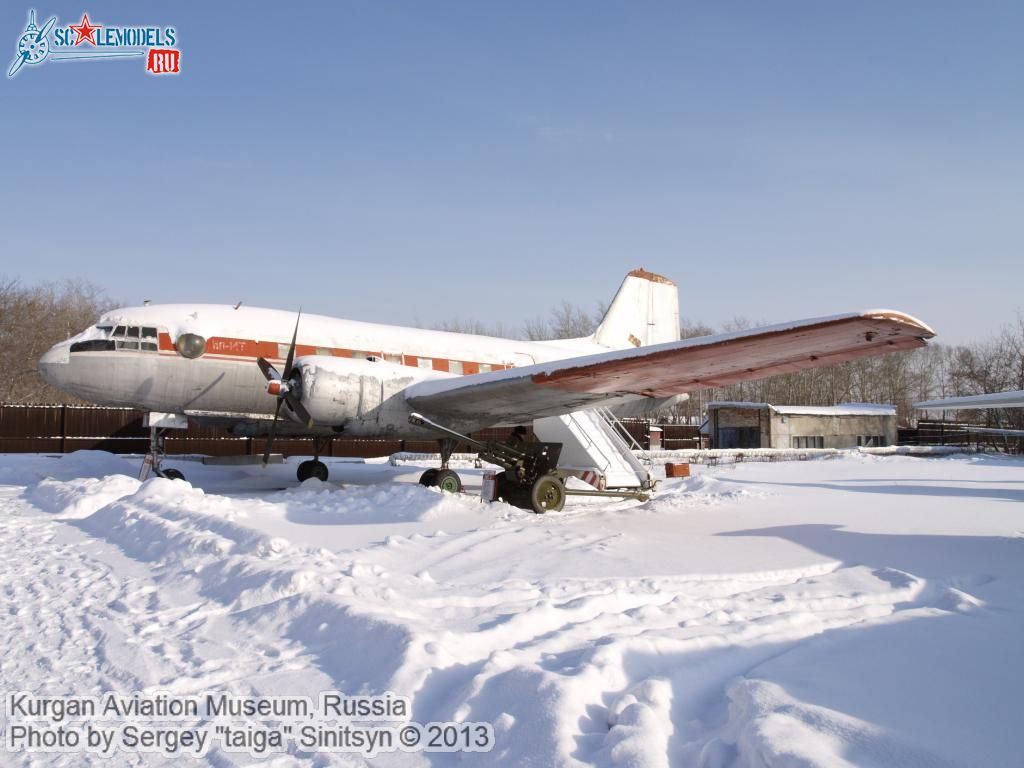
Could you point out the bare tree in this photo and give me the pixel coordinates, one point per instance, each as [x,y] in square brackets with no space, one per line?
[566,321]
[33,319]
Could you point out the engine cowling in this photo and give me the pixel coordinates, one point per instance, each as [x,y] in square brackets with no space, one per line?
[359,395]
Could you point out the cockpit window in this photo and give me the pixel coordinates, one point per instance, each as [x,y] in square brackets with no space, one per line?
[127,337]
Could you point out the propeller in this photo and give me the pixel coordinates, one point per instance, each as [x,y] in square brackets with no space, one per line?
[283,387]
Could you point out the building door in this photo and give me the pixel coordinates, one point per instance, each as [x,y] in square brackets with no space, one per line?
[739,437]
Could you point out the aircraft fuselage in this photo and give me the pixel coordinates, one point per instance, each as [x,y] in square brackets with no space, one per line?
[136,357]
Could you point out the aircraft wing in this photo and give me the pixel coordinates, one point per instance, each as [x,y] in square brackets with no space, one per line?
[975,402]
[519,395]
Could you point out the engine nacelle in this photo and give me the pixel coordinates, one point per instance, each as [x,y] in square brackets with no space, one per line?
[361,396]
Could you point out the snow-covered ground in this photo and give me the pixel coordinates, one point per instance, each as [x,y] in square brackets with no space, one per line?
[858,610]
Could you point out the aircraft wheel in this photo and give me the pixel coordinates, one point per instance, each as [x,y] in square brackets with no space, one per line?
[448,481]
[429,477]
[547,495]
[312,468]
[172,474]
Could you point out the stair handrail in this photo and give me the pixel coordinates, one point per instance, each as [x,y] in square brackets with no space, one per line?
[622,433]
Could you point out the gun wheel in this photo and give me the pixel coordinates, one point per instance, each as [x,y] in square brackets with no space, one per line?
[548,495]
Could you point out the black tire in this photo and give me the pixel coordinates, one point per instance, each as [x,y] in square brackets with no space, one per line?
[172,474]
[429,477]
[448,481]
[312,468]
[547,495]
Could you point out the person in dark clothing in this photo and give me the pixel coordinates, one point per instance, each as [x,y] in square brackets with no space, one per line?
[518,437]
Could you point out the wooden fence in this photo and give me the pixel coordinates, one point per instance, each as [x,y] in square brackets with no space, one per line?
[66,428]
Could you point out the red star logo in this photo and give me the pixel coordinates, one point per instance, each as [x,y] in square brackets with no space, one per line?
[86,32]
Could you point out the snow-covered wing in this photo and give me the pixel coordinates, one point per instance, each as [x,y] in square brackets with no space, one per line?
[521,394]
[975,402]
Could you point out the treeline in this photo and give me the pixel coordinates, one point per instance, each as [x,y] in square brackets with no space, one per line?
[32,319]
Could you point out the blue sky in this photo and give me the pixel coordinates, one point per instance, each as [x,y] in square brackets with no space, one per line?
[414,162]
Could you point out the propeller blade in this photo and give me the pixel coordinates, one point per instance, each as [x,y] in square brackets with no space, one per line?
[299,409]
[269,371]
[270,434]
[46,29]
[17,64]
[291,349]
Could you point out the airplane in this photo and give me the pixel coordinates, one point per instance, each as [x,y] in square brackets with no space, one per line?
[1012,399]
[260,371]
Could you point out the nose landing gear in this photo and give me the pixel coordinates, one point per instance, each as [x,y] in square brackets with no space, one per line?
[158,424]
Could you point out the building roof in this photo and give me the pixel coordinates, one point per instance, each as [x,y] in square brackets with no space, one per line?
[846,409]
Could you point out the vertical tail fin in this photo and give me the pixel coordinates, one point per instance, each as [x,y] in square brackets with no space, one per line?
[645,311]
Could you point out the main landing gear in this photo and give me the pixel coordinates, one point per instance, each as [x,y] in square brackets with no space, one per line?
[443,478]
[314,467]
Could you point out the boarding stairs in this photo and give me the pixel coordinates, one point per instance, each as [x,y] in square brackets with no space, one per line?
[596,449]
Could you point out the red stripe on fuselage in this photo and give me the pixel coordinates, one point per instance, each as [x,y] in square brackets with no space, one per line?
[247,350]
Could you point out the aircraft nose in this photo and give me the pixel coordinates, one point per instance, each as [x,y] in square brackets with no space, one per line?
[53,365]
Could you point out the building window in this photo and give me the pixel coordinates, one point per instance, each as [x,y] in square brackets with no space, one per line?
[485,367]
[424,362]
[454,366]
[809,441]
[396,359]
[871,441]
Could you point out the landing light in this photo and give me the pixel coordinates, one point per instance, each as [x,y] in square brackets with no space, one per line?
[190,345]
